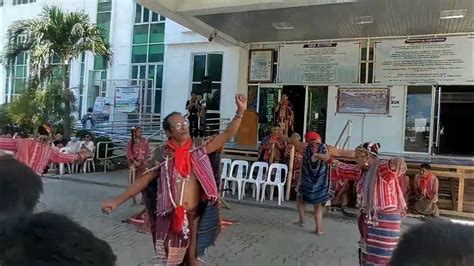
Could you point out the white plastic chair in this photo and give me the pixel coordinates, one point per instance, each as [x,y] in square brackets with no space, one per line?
[226,164]
[61,165]
[256,177]
[88,163]
[237,174]
[277,180]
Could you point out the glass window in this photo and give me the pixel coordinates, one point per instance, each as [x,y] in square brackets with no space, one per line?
[159,76]
[106,6]
[139,54]
[157,33]
[154,17]
[156,53]
[214,67]
[140,34]
[199,67]
[157,108]
[138,13]
[99,63]
[418,118]
[162,18]
[151,72]
[213,99]
[134,72]
[146,15]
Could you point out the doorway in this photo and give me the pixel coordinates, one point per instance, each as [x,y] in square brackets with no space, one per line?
[296,96]
[317,110]
[456,112]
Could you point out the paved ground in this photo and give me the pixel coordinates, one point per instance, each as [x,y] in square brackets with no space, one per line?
[262,236]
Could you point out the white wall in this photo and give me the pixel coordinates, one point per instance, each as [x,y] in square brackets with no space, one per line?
[177,34]
[385,129]
[178,74]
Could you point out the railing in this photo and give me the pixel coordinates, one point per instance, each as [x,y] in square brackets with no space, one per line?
[117,145]
[348,130]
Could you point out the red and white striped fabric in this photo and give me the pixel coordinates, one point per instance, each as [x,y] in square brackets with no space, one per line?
[35,154]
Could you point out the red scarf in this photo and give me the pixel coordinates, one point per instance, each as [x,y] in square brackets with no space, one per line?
[425,179]
[182,157]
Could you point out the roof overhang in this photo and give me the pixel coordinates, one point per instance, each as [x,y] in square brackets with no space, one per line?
[237,22]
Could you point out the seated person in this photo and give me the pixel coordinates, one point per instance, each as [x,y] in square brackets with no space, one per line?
[272,147]
[59,141]
[74,145]
[50,239]
[435,244]
[87,146]
[426,191]
[20,187]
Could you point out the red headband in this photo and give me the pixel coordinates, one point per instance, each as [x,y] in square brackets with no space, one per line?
[312,135]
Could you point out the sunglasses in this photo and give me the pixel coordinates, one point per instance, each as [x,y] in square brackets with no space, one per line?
[179,126]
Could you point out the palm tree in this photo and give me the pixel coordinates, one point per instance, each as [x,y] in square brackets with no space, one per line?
[65,35]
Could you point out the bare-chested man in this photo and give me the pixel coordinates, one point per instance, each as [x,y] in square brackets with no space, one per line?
[176,190]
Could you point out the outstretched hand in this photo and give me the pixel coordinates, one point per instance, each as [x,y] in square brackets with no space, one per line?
[241,102]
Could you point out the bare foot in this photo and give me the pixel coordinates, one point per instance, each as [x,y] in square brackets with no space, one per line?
[299,223]
[319,233]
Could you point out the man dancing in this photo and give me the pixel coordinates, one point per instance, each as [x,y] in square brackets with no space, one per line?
[182,183]
[37,153]
[381,201]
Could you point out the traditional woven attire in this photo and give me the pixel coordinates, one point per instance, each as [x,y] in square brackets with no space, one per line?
[162,198]
[139,152]
[297,162]
[315,183]
[35,154]
[271,149]
[426,194]
[379,221]
[285,117]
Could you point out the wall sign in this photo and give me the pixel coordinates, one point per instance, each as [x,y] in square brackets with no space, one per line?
[319,63]
[126,99]
[261,66]
[363,100]
[439,60]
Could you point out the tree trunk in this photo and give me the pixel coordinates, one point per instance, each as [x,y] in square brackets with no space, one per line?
[67,103]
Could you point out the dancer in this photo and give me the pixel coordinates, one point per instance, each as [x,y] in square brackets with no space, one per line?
[314,181]
[426,191]
[182,182]
[285,116]
[272,147]
[138,154]
[37,153]
[381,201]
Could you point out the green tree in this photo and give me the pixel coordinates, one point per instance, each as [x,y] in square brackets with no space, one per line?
[65,35]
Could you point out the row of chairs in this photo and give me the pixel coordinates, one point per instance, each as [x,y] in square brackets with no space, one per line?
[260,176]
[72,168]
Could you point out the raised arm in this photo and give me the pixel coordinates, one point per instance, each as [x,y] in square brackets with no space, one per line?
[333,151]
[8,144]
[219,141]
[136,187]
[344,171]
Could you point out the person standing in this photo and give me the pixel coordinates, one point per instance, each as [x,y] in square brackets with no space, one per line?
[285,116]
[314,181]
[193,106]
[182,182]
[272,147]
[88,120]
[380,200]
[138,154]
[37,153]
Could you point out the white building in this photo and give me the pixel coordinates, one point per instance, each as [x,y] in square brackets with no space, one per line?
[426,105]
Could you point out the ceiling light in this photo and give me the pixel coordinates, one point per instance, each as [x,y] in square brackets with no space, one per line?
[450,14]
[282,25]
[361,20]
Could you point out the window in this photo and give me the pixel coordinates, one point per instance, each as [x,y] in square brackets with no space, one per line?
[148,52]
[418,119]
[210,66]
[104,13]
[17,76]
[21,2]
[366,64]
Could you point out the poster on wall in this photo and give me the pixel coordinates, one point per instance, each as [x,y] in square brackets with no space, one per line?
[362,100]
[437,60]
[319,63]
[126,99]
[261,66]
[102,108]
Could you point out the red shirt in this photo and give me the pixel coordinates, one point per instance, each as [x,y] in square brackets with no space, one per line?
[35,154]
[426,186]
[387,186]
[139,151]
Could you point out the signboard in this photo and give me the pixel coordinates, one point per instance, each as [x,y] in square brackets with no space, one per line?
[319,63]
[363,100]
[126,99]
[261,66]
[102,108]
[438,60]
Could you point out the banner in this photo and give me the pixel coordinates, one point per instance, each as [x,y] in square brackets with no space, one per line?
[126,99]
[437,60]
[363,100]
[319,63]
